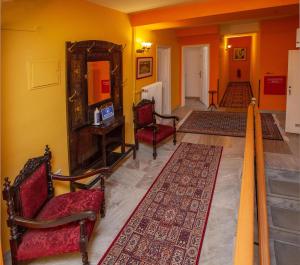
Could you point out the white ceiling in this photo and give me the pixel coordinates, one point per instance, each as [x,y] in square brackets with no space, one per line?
[129,6]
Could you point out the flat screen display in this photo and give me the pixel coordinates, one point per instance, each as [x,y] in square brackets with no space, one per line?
[107,112]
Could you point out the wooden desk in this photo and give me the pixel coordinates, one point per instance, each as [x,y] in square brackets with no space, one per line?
[112,135]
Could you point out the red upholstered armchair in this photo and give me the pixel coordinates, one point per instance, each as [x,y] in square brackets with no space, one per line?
[42,224]
[145,127]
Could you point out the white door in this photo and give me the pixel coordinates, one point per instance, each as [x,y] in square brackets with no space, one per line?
[205,77]
[194,72]
[292,123]
[164,75]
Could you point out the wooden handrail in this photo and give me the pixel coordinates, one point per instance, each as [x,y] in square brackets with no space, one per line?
[244,249]
[258,94]
[263,230]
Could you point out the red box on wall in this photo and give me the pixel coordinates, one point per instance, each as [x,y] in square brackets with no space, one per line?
[275,85]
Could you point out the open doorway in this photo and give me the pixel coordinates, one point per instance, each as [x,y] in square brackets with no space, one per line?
[195,73]
[164,75]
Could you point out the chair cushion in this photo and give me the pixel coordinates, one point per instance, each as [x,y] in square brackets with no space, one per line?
[163,132]
[34,192]
[145,114]
[51,241]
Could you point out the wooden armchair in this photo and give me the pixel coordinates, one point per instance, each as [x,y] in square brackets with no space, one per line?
[42,224]
[145,127]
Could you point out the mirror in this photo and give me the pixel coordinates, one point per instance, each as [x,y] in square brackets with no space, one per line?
[99,83]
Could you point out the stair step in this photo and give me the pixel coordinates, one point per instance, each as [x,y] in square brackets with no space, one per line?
[284,236]
[284,188]
[284,175]
[285,218]
[283,183]
[286,254]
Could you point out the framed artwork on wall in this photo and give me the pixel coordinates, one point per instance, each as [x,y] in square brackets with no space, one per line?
[239,54]
[144,67]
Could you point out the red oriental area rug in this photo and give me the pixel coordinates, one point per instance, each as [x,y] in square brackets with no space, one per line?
[237,95]
[227,124]
[168,225]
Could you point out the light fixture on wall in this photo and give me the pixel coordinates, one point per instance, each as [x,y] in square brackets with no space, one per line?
[228,46]
[145,47]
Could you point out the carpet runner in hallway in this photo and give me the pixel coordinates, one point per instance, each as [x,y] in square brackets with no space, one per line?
[168,225]
[237,95]
[227,124]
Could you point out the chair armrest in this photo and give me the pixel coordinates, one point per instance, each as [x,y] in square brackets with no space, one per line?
[105,170]
[166,116]
[38,224]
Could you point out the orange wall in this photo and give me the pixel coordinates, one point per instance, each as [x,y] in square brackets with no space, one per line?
[243,65]
[214,42]
[277,37]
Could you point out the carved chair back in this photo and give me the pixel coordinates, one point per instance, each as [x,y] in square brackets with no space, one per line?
[144,113]
[31,189]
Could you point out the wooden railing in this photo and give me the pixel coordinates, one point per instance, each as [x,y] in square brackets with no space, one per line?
[263,230]
[244,248]
[253,165]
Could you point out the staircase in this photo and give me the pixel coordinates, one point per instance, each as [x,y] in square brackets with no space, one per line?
[283,201]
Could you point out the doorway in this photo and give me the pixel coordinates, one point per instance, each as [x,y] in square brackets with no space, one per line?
[195,73]
[164,75]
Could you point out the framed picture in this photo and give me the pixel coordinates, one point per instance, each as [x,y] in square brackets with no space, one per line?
[239,54]
[144,67]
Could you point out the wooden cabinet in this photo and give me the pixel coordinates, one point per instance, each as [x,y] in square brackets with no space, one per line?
[85,142]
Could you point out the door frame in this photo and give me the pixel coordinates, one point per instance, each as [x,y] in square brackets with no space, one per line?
[205,66]
[168,50]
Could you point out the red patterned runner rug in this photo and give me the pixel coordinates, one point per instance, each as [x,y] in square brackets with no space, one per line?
[168,225]
[227,124]
[237,95]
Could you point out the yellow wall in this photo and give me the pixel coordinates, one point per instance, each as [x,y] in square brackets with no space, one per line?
[38,30]
[159,38]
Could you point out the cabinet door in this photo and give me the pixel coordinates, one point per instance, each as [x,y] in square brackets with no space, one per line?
[293,93]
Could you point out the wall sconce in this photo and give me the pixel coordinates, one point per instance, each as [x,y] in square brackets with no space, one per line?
[228,46]
[145,47]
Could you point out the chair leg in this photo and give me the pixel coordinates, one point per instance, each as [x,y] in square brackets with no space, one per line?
[136,142]
[83,243]
[103,209]
[174,138]
[85,258]
[154,150]
[134,152]
[14,260]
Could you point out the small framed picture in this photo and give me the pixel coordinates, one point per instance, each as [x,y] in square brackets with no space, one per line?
[144,67]
[239,54]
